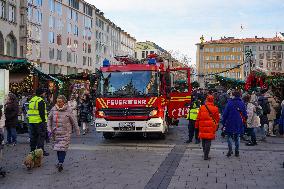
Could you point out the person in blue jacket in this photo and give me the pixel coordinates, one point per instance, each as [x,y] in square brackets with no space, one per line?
[233,120]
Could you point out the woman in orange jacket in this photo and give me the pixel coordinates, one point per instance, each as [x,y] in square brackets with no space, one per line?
[207,122]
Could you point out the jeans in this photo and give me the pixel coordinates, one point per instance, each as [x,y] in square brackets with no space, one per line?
[251,133]
[236,139]
[281,129]
[37,136]
[61,156]
[11,135]
[206,144]
[263,130]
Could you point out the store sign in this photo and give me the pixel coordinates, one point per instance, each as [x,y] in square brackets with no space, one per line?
[4,85]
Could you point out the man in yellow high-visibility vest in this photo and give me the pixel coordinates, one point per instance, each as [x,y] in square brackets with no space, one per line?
[37,117]
[192,116]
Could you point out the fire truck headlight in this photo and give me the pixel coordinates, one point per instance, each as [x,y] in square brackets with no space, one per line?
[101,113]
[154,124]
[153,113]
[101,124]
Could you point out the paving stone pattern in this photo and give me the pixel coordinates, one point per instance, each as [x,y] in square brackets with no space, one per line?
[134,162]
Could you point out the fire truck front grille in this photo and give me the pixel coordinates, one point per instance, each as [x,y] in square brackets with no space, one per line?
[128,112]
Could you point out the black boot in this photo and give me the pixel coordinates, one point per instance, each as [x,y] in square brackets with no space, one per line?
[237,154]
[230,152]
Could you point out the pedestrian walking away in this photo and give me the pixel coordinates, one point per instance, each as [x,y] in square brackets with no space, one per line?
[233,120]
[37,117]
[207,122]
[11,118]
[263,102]
[191,117]
[272,114]
[61,120]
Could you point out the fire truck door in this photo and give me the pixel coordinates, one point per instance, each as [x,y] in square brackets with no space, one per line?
[180,93]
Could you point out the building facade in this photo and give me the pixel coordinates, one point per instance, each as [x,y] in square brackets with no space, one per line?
[10,27]
[143,49]
[227,57]
[60,36]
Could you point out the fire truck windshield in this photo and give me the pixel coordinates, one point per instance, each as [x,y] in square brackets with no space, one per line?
[129,84]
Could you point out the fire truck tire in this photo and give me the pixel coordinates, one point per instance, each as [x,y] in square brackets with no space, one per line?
[108,135]
[162,136]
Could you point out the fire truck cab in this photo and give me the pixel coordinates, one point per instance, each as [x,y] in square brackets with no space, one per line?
[139,98]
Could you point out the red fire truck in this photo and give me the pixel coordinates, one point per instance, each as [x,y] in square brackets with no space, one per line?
[140,97]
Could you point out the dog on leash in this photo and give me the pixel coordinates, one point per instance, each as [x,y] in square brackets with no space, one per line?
[34,159]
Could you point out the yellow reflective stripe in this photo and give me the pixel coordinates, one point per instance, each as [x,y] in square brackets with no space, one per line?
[104,103]
[99,99]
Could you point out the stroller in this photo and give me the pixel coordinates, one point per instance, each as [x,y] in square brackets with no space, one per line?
[2,172]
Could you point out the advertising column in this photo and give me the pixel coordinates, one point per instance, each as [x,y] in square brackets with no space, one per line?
[4,85]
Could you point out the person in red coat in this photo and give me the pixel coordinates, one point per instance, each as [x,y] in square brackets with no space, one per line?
[207,122]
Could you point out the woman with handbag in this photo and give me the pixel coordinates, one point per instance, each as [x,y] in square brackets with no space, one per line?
[207,122]
[60,123]
[253,120]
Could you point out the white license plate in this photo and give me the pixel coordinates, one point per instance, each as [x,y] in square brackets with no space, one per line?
[127,126]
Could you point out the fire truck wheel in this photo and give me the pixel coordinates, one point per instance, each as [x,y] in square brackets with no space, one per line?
[162,136]
[108,135]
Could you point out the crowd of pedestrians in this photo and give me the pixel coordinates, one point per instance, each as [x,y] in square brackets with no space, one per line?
[57,122]
[239,114]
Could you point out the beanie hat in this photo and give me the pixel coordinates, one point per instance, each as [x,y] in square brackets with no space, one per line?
[40,91]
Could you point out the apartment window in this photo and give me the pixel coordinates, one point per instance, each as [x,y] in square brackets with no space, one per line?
[59,8]
[75,44]
[59,25]
[274,47]
[75,57]
[51,37]
[228,65]
[85,47]
[12,13]
[2,9]
[228,49]
[246,48]
[51,5]
[87,22]
[76,30]
[51,22]
[280,48]
[279,64]
[228,57]
[75,16]
[69,57]
[261,48]
[223,49]
[268,55]
[211,50]
[59,39]
[51,53]
[38,3]
[59,55]
[70,13]
[38,51]
[69,42]
[261,56]
[89,48]
[84,60]
[74,4]
[88,10]
[261,63]
[152,52]
[51,69]
[279,55]
[69,28]
[253,48]
[38,16]
[143,54]
[268,47]
[29,48]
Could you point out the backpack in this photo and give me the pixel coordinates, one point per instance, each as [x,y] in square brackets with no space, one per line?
[265,106]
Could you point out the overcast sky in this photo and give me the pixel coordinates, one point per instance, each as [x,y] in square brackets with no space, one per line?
[177,25]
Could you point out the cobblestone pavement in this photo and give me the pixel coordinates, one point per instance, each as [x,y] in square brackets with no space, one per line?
[135,162]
